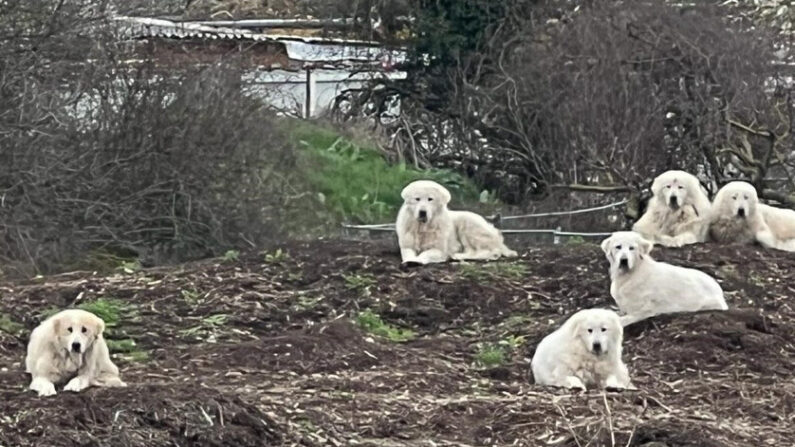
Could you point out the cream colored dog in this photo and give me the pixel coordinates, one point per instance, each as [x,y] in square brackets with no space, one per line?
[69,345]
[584,352]
[428,232]
[643,287]
[738,217]
[678,212]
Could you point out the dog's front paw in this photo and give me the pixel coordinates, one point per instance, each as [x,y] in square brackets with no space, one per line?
[612,383]
[411,262]
[76,385]
[574,383]
[43,387]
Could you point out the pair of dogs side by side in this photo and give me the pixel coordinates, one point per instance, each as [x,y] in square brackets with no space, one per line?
[680,213]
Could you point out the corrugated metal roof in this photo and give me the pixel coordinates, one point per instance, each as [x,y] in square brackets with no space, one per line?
[300,48]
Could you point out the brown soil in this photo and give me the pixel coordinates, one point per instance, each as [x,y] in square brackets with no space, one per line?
[288,365]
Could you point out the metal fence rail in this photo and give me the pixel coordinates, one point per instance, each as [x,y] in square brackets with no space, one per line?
[553,231]
[556,232]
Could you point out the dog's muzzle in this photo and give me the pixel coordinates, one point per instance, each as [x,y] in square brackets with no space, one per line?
[597,348]
[422,216]
[76,347]
[674,202]
[623,264]
[741,212]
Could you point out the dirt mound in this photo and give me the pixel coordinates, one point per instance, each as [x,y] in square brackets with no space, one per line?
[268,350]
[142,415]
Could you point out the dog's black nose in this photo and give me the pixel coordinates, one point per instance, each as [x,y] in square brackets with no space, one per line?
[741,212]
[623,263]
[76,347]
[674,201]
[423,213]
[597,347]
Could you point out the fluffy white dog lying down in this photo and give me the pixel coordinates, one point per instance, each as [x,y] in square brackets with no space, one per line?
[69,345]
[584,352]
[643,287]
[678,212]
[429,232]
[738,217]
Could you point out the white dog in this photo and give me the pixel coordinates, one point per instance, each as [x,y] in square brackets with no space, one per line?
[428,232]
[585,351]
[643,287]
[737,216]
[69,345]
[678,212]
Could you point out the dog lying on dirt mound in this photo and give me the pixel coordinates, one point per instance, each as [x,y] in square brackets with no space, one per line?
[738,217]
[643,287]
[68,345]
[428,232]
[584,352]
[678,212]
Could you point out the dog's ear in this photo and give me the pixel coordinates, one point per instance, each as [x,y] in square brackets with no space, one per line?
[406,192]
[444,195]
[644,246]
[657,185]
[606,248]
[56,324]
[99,325]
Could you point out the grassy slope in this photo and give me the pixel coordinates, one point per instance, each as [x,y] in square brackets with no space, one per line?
[355,183]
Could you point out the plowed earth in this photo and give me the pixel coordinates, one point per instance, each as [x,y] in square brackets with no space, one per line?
[253,352]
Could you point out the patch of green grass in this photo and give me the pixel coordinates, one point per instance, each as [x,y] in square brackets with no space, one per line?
[308,302]
[276,257]
[207,326]
[115,313]
[575,240]
[491,355]
[230,256]
[10,326]
[359,282]
[110,310]
[123,345]
[354,181]
[129,267]
[106,261]
[372,323]
[490,270]
[191,296]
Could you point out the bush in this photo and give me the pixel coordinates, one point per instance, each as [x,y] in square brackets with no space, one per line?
[122,160]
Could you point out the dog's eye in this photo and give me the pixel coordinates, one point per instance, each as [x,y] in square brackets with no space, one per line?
[681,187]
[604,330]
[746,197]
[734,197]
[430,199]
[417,199]
[618,247]
[668,186]
[631,248]
[590,331]
[70,330]
[84,329]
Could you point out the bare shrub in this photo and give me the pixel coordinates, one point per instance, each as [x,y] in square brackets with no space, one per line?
[602,98]
[101,156]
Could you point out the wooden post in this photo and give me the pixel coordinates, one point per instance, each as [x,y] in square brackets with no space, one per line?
[309,100]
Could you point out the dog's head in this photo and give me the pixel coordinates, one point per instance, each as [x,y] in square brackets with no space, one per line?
[599,331]
[736,199]
[77,330]
[425,199]
[625,250]
[675,188]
